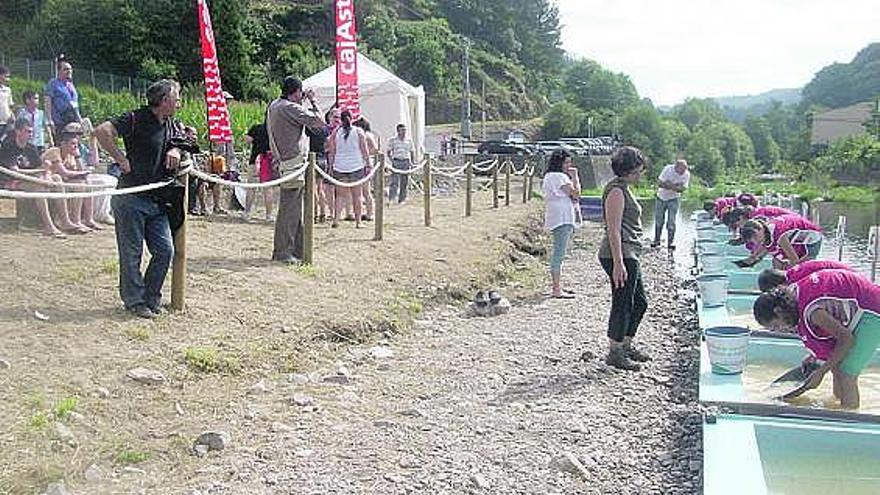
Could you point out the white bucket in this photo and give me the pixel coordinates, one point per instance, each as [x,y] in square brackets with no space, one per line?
[728,349]
[713,289]
[712,263]
[710,247]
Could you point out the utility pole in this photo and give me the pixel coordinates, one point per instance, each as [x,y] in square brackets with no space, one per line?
[466,93]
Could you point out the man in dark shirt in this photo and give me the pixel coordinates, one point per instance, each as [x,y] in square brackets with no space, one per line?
[148,158]
[17,153]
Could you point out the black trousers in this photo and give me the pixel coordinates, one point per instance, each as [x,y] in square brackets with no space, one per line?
[628,303]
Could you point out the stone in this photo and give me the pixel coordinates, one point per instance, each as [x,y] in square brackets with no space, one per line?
[201,450]
[63,433]
[338,379]
[695,466]
[384,423]
[133,470]
[394,478]
[5,365]
[76,417]
[569,463]
[277,427]
[213,440]
[381,352]
[259,388]
[146,376]
[102,393]
[299,378]
[413,413]
[56,488]
[302,400]
[94,474]
[303,452]
[479,481]
[409,463]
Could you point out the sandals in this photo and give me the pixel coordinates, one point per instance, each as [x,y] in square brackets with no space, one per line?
[56,234]
[562,295]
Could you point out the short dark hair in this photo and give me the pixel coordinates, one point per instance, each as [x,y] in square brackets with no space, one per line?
[733,215]
[751,227]
[627,159]
[22,122]
[159,90]
[775,303]
[401,126]
[770,279]
[4,70]
[709,206]
[290,85]
[28,94]
[557,160]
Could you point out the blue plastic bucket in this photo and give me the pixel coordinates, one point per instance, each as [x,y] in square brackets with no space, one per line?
[728,349]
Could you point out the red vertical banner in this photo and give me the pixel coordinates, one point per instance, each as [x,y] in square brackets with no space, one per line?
[348,94]
[219,128]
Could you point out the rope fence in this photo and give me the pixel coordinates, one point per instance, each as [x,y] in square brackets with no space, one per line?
[307,171]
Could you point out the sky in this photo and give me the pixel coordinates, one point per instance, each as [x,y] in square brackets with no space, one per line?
[674,49]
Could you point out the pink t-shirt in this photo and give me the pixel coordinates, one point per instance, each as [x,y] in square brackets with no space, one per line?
[854,291]
[721,204]
[770,212]
[798,229]
[809,267]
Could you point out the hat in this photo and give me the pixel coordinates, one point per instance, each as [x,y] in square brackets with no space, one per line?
[87,125]
[228,95]
[51,155]
[72,128]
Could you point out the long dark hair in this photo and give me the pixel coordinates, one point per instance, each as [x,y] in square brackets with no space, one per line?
[751,227]
[770,279]
[775,303]
[733,215]
[557,161]
[345,116]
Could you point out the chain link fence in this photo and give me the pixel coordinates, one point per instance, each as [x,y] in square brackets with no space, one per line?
[43,70]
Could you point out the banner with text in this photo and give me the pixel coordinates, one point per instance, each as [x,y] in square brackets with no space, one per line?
[219,128]
[348,94]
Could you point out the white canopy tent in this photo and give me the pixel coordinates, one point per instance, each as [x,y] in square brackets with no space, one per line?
[386,100]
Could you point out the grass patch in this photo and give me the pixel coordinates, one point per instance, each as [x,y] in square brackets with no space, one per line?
[206,360]
[66,406]
[109,266]
[73,274]
[127,457]
[39,420]
[308,271]
[140,334]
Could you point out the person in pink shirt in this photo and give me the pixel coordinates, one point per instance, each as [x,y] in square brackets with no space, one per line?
[719,206]
[836,313]
[737,216]
[790,239]
[772,278]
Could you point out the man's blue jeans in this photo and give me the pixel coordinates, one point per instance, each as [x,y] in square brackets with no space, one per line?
[139,219]
[661,208]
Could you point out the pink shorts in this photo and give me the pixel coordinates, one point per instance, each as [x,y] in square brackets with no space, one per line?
[267,173]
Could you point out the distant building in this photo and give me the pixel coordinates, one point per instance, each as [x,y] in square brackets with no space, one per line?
[841,122]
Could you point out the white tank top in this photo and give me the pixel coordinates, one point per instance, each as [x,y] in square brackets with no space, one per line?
[348,151]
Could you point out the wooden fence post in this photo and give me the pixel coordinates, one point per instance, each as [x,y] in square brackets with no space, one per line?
[427,186]
[309,212]
[495,183]
[507,183]
[525,182]
[379,198]
[178,263]
[469,181]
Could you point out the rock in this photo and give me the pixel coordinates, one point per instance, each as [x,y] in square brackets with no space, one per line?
[259,388]
[343,371]
[479,481]
[384,423]
[94,474]
[102,393]
[76,417]
[56,488]
[303,452]
[394,478]
[409,463]
[178,409]
[201,450]
[302,400]
[338,379]
[146,375]
[133,470]
[299,378]
[568,463]
[5,365]
[413,413]
[695,466]
[349,397]
[281,428]
[381,352]
[63,433]
[213,440]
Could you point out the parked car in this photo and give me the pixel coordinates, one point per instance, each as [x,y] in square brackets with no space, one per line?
[502,148]
[547,147]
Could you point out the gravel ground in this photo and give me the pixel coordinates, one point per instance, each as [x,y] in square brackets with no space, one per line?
[519,403]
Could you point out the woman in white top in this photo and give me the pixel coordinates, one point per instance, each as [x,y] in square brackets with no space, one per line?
[373,149]
[561,188]
[348,156]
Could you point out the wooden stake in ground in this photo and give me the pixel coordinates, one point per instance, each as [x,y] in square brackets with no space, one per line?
[531,180]
[469,181]
[507,182]
[178,264]
[525,182]
[379,198]
[876,231]
[495,183]
[309,212]
[427,177]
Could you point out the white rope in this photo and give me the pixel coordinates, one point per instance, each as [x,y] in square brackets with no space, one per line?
[406,171]
[518,172]
[295,174]
[456,173]
[490,160]
[50,183]
[335,182]
[6,193]
[486,169]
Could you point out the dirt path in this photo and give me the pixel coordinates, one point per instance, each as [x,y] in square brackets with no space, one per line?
[470,405]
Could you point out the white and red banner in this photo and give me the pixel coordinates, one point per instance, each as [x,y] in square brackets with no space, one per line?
[348,95]
[219,128]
